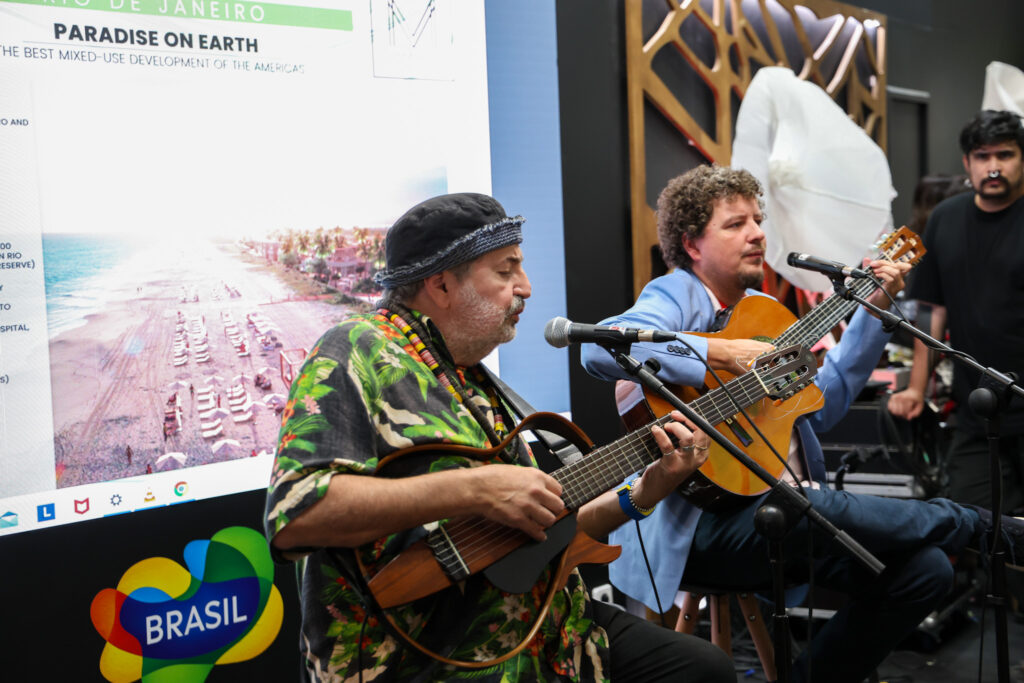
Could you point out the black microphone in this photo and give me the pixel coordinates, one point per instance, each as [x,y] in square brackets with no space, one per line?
[561,332]
[830,268]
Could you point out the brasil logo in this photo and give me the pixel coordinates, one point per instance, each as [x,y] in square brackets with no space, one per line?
[164,622]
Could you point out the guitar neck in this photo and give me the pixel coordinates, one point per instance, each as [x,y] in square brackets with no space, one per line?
[808,330]
[608,465]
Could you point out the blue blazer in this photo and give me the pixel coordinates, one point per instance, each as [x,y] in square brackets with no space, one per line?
[678,301]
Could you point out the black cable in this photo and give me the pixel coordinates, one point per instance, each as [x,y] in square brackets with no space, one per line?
[985,561]
[881,286]
[650,574]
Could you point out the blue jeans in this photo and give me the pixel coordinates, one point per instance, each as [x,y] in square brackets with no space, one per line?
[912,538]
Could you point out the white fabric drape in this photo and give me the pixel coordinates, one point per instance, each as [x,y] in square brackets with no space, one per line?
[828,189]
[1004,88]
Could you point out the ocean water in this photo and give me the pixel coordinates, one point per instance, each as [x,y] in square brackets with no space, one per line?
[82,274]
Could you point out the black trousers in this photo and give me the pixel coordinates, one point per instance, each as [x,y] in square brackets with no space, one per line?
[646,652]
[970,470]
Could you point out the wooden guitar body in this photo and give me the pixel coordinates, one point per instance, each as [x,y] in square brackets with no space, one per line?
[722,482]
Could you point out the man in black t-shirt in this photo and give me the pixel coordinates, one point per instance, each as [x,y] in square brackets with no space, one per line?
[973,276]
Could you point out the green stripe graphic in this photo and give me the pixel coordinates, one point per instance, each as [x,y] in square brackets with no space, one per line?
[239,11]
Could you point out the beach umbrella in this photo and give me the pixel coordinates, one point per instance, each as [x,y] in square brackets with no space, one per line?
[169,459]
[238,379]
[275,399]
[255,405]
[262,371]
[214,379]
[217,412]
[218,446]
[178,384]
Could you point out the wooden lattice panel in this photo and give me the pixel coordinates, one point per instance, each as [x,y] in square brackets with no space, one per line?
[838,47]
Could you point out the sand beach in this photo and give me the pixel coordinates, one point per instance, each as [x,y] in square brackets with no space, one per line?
[177,347]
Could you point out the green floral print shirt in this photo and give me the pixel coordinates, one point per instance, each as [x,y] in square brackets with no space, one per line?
[366,391]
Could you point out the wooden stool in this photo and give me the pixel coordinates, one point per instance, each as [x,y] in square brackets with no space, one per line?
[721,626]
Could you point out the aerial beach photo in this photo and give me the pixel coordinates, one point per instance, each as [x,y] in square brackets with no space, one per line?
[187,228]
[171,355]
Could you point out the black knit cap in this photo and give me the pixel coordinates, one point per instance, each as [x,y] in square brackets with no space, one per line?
[443,232]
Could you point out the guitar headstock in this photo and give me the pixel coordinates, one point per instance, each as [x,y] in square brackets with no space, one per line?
[786,371]
[903,245]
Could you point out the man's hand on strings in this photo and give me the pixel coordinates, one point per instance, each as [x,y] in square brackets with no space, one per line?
[735,355]
[684,448]
[525,498]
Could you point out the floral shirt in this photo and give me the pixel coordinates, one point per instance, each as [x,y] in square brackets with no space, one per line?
[367,390]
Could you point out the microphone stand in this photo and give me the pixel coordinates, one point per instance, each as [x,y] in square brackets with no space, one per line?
[988,403]
[784,506]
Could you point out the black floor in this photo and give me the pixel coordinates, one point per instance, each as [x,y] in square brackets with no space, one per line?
[950,655]
[957,657]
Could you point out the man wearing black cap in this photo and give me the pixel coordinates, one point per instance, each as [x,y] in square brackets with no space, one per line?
[408,375]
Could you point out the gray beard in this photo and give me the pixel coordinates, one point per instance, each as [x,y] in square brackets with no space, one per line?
[484,326]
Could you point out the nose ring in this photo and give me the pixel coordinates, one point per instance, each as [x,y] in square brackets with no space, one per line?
[993,174]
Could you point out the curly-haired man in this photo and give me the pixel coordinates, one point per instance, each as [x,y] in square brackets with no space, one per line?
[709,228]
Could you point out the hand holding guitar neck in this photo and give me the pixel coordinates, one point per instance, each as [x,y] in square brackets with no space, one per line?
[892,275]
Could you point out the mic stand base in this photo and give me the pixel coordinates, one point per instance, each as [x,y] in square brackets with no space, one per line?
[986,403]
[775,517]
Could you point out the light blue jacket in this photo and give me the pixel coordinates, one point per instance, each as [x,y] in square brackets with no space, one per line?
[679,302]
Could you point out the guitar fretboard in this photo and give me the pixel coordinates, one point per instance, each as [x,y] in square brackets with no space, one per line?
[608,465]
[823,317]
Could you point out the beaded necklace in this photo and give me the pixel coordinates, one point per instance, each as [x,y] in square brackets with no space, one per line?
[413,329]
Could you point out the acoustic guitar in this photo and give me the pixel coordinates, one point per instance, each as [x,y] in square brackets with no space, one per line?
[722,481]
[511,560]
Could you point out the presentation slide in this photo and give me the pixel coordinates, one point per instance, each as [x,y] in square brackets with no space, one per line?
[191,193]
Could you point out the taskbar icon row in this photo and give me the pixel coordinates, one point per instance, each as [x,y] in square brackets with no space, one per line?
[60,507]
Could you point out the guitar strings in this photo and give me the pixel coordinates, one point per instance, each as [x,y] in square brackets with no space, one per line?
[818,318]
[474,537]
[861,288]
[579,482]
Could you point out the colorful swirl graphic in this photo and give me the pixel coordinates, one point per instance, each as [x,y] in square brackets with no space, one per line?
[165,622]
[180,488]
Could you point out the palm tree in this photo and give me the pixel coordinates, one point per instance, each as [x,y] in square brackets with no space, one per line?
[364,244]
[288,241]
[322,241]
[340,241]
[303,241]
[378,252]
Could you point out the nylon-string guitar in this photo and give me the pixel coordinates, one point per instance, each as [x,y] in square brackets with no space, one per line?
[722,481]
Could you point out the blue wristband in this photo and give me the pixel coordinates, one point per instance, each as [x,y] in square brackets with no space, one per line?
[628,505]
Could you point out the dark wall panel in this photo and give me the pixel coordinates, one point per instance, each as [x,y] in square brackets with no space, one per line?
[595,183]
[937,46]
